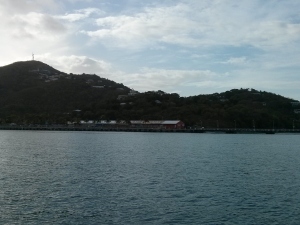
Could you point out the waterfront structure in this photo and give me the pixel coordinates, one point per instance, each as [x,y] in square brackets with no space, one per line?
[162,124]
[173,124]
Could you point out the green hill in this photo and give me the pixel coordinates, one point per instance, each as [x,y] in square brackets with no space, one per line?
[32,92]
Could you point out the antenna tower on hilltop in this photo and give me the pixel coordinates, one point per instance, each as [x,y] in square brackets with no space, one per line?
[32,57]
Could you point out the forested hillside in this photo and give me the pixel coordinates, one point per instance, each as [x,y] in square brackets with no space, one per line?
[32,92]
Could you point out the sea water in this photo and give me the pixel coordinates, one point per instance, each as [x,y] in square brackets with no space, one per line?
[148,178]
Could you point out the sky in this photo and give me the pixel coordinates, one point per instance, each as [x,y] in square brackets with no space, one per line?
[189,47]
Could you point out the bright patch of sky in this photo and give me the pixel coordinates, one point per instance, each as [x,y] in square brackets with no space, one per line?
[189,47]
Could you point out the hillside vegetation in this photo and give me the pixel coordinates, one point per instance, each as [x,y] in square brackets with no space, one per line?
[32,92]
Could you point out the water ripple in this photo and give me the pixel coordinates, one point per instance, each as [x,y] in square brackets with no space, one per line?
[140,178]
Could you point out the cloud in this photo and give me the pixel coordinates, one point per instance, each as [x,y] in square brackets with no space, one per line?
[35,25]
[236,61]
[198,24]
[144,80]
[26,29]
[80,14]
[25,19]
[77,64]
[76,1]
[283,84]
[169,45]
[154,25]
[168,80]
[23,6]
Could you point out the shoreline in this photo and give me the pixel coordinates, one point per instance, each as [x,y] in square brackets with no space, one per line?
[153,130]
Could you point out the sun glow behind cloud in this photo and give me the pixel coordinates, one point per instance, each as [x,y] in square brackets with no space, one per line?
[188,46]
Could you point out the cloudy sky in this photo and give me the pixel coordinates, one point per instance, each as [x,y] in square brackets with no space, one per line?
[189,47]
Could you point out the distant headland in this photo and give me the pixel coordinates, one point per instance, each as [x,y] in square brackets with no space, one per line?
[34,93]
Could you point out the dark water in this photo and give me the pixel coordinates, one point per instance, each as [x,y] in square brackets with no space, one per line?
[148,178]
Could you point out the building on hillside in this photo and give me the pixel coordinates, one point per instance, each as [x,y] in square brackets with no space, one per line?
[87,123]
[106,123]
[121,97]
[297,111]
[89,81]
[132,93]
[294,104]
[98,86]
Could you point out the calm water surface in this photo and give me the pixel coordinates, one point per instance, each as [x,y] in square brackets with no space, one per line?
[148,178]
